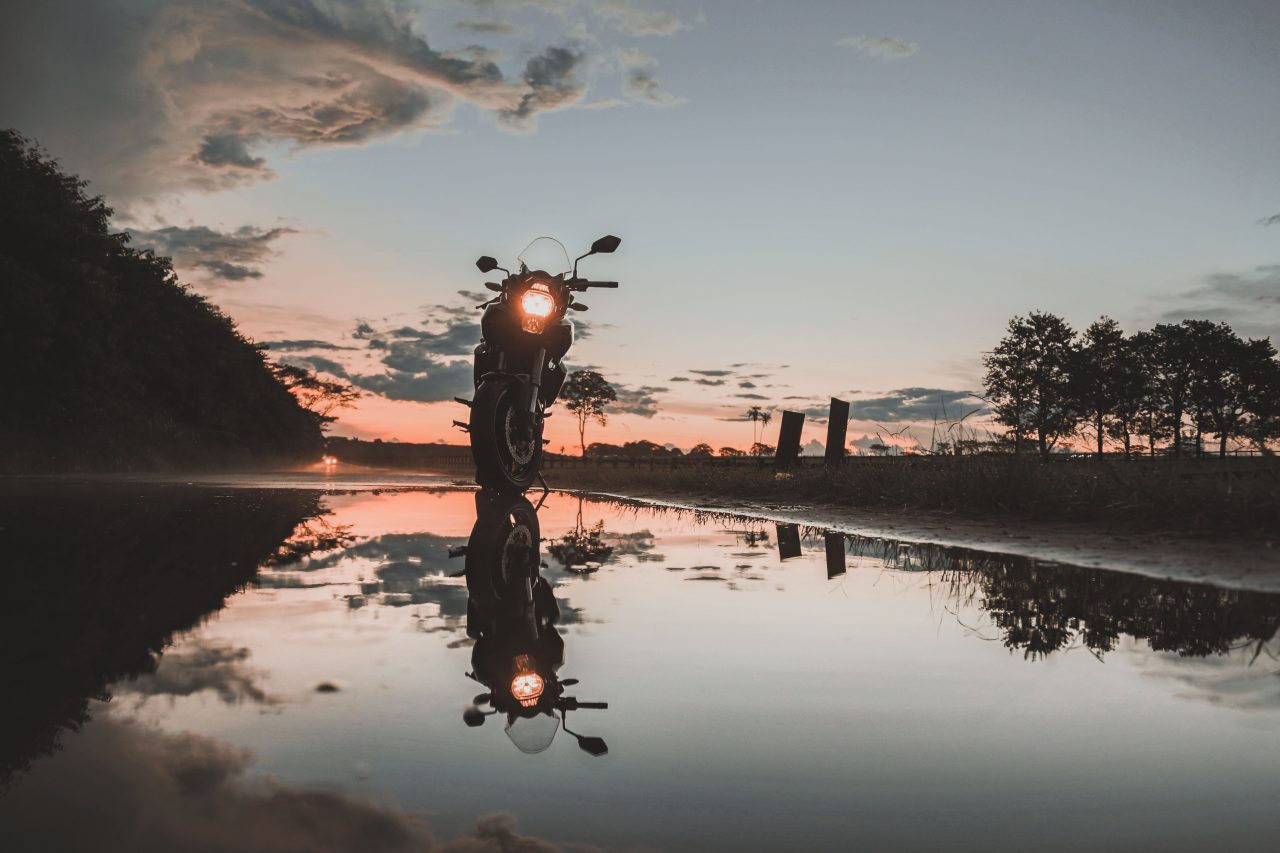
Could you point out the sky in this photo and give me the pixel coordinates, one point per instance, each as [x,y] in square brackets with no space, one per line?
[815,199]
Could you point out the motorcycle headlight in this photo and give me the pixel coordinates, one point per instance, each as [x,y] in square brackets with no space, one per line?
[537,301]
[527,685]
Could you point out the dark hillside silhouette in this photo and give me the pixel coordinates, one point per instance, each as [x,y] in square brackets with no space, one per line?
[106,360]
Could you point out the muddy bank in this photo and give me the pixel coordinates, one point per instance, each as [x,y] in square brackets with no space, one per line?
[1241,563]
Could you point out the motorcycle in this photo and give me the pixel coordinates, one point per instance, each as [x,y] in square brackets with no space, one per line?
[519,364]
[511,615]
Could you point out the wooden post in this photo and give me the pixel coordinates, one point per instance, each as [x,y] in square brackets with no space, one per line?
[835,552]
[788,541]
[837,430]
[789,440]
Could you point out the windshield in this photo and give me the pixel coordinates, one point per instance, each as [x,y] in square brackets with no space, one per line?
[546,254]
[533,734]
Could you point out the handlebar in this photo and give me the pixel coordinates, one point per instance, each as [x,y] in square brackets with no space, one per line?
[580,284]
[602,284]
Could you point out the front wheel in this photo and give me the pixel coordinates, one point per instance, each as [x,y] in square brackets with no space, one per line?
[507,447]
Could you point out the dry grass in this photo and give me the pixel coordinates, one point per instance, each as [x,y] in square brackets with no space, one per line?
[1201,496]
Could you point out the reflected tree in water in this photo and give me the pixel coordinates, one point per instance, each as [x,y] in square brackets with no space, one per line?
[312,536]
[582,545]
[1041,609]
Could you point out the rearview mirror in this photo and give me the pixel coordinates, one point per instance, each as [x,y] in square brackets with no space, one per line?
[473,717]
[488,264]
[497,288]
[593,745]
[606,245]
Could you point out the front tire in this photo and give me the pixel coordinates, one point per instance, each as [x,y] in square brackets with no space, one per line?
[502,553]
[507,455]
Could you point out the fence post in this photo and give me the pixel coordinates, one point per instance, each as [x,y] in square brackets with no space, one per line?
[789,440]
[837,430]
[835,552]
[788,541]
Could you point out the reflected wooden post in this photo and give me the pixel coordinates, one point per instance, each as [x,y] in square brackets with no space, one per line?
[835,553]
[837,431]
[788,541]
[789,440]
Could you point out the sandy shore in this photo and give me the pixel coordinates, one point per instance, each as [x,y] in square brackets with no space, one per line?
[1232,562]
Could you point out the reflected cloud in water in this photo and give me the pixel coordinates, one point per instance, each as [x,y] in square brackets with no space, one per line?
[130,787]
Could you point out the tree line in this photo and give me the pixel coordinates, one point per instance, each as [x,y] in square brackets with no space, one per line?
[1164,389]
[108,361]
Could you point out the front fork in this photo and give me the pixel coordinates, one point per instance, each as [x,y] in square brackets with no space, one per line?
[529,403]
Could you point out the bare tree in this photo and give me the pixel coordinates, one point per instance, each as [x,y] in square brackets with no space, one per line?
[586,393]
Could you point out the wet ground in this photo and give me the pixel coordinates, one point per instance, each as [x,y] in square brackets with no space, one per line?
[194,666]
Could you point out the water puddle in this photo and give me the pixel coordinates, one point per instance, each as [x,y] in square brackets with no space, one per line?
[240,668]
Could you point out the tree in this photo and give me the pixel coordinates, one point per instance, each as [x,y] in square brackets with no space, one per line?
[1168,351]
[1028,380]
[762,449]
[319,396]
[586,393]
[106,358]
[1133,391]
[701,450]
[1228,377]
[758,417]
[1261,380]
[1106,380]
[730,453]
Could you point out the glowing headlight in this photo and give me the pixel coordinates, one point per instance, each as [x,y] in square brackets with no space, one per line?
[527,686]
[537,302]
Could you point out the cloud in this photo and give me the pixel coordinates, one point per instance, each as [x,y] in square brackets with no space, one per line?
[300,345]
[487,26]
[638,22]
[221,255]
[712,372]
[751,396]
[1250,301]
[318,363]
[636,401]
[190,792]
[146,98]
[552,86]
[885,48]
[198,665]
[1234,679]
[679,379]
[746,384]
[639,80]
[433,381]
[709,381]
[912,404]
[1270,220]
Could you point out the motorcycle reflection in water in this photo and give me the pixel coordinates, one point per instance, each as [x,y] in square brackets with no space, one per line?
[512,616]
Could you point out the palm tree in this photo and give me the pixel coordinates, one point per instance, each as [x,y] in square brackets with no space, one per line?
[759,420]
[755,414]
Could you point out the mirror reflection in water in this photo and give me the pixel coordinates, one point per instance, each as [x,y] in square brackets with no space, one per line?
[204,661]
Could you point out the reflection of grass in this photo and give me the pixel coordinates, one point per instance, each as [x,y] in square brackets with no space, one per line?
[1241,496]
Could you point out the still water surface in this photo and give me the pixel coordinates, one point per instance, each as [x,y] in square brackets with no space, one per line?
[265,669]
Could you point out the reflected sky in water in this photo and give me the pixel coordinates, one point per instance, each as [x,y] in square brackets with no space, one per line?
[862,693]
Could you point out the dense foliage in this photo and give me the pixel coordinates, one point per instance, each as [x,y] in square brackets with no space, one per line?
[107,361]
[1170,386]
